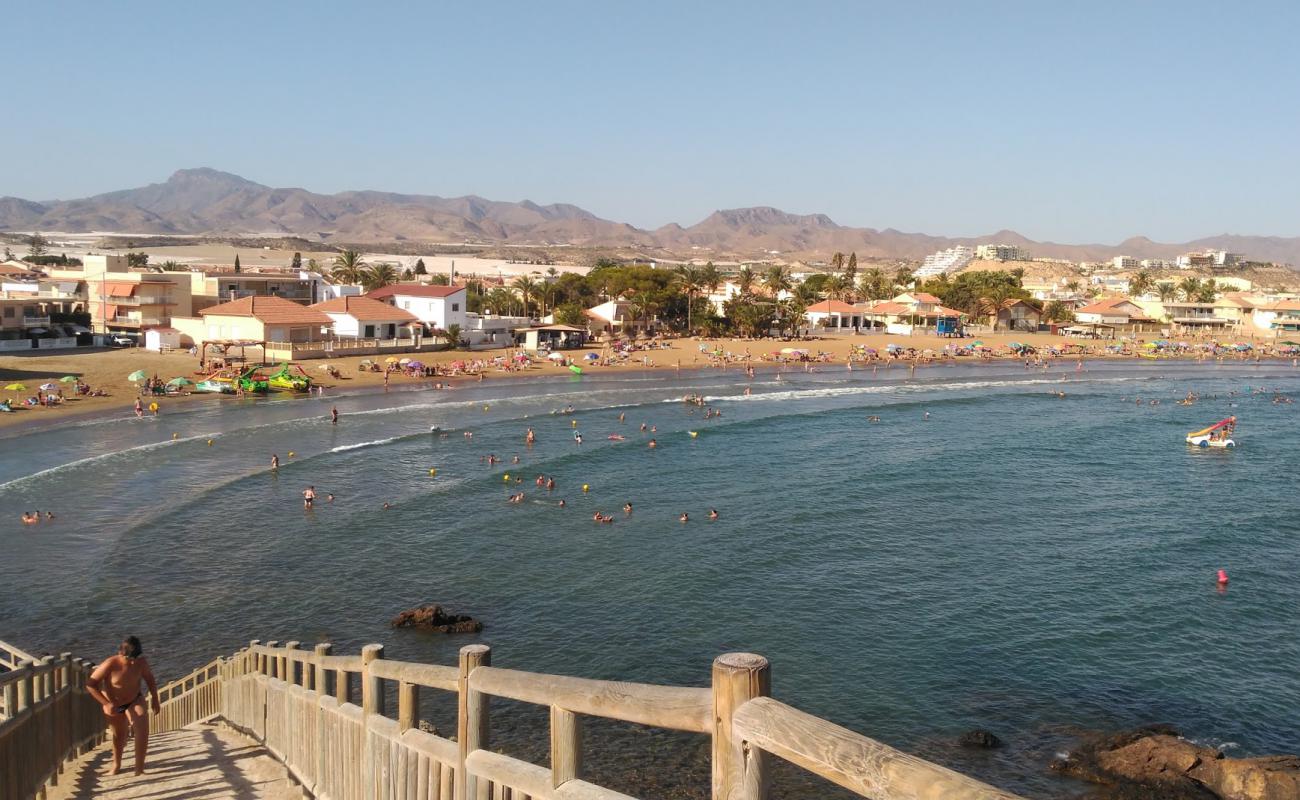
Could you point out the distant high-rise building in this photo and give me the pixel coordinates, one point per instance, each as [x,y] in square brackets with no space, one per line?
[1124,262]
[1155,263]
[945,261]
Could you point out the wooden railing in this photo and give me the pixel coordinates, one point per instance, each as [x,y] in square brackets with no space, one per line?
[47,720]
[303,705]
[187,700]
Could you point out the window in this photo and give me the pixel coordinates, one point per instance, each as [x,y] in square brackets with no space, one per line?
[370,332]
[455,306]
[406,304]
[9,311]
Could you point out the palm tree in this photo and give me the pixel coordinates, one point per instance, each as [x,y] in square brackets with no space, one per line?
[777,279]
[792,314]
[548,289]
[500,301]
[835,287]
[710,278]
[1209,291]
[1189,287]
[837,262]
[641,307]
[526,287]
[875,285]
[903,277]
[1140,283]
[745,280]
[1072,286]
[1166,291]
[348,267]
[687,279]
[378,276]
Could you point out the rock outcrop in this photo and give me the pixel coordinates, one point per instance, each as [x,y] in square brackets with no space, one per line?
[1155,762]
[980,738]
[433,618]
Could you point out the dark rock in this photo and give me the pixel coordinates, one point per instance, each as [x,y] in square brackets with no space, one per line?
[980,738]
[1154,762]
[433,618]
[427,727]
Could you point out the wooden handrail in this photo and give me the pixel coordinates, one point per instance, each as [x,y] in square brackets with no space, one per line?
[857,763]
[677,707]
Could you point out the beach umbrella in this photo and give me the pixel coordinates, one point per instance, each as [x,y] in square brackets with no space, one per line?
[68,379]
[180,382]
[365,362]
[49,387]
[390,360]
[404,361]
[138,375]
[591,356]
[415,364]
[15,387]
[892,346]
[556,356]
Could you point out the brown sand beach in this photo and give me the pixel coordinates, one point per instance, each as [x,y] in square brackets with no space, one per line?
[108,369]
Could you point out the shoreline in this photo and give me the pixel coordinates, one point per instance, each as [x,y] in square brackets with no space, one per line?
[20,424]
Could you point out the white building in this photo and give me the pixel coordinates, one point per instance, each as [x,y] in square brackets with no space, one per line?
[1155,263]
[945,261]
[366,318]
[1124,262]
[435,306]
[1001,252]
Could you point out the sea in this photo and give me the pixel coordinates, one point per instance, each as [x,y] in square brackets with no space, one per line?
[1025,550]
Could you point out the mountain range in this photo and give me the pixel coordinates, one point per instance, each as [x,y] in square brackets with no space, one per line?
[208,202]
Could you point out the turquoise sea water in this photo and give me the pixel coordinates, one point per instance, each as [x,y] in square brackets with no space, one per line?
[1034,565]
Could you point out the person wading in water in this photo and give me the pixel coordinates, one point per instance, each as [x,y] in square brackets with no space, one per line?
[115,685]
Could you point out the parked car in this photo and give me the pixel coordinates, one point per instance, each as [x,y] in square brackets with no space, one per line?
[122,340]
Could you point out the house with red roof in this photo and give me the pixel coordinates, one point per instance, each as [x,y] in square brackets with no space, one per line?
[359,317]
[436,307]
[835,315]
[910,311]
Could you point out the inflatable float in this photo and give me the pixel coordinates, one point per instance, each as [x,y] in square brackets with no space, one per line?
[1217,435]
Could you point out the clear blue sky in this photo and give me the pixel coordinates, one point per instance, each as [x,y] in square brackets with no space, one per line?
[1069,121]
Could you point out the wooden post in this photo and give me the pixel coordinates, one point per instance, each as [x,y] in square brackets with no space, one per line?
[342,686]
[24,699]
[739,772]
[320,681]
[566,746]
[290,672]
[408,705]
[63,676]
[272,661]
[471,716]
[46,687]
[372,688]
[251,659]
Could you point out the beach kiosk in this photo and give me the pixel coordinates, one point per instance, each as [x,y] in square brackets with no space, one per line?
[948,326]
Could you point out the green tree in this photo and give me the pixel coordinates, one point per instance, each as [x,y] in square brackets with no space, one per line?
[1140,283]
[453,335]
[407,274]
[137,260]
[687,279]
[526,288]
[420,268]
[837,261]
[378,276]
[875,285]
[172,266]
[777,279]
[348,268]
[750,317]
[1167,291]
[1058,311]
[745,280]
[851,269]
[1209,291]
[835,287]
[1189,288]
[710,278]
[903,277]
[571,314]
[238,269]
[37,245]
[793,315]
[1072,286]
[296,263]
[313,265]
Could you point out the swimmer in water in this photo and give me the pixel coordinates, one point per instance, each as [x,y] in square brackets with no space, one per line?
[620,416]
[562,502]
[1222,578]
[550,484]
[653,444]
[713,513]
[275,461]
[309,497]
[334,415]
[627,508]
[927,415]
[577,437]
[530,437]
[643,427]
[329,497]
[685,517]
[387,505]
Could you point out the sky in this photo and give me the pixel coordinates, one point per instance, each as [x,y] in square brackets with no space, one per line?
[1066,121]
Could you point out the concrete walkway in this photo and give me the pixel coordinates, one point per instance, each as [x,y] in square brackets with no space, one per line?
[201,762]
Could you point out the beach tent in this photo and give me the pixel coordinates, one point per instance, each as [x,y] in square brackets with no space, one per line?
[68,379]
[180,382]
[138,375]
[591,356]
[556,356]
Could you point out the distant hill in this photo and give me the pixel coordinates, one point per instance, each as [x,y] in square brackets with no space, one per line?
[209,202]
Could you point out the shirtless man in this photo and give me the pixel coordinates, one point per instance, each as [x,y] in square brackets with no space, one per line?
[309,497]
[115,685]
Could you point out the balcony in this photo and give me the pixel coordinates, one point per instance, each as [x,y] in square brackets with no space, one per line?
[141,301]
[133,322]
[35,322]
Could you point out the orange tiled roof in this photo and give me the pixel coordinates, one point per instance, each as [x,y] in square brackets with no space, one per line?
[269,309]
[414,290]
[832,307]
[1105,306]
[365,309]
